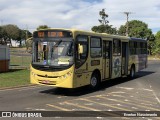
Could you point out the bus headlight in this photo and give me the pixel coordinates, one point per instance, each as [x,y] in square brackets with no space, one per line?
[66,75]
[69,73]
[33,74]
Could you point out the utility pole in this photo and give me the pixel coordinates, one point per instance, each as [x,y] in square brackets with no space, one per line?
[26,32]
[127,14]
[1,22]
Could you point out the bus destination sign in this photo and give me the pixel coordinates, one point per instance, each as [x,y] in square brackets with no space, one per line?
[52,34]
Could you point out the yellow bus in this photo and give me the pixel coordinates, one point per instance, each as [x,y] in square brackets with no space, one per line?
[70,58]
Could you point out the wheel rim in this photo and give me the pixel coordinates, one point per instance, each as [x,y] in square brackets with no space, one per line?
[93,81]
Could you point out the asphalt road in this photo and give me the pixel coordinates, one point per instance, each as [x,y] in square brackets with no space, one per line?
[122,94]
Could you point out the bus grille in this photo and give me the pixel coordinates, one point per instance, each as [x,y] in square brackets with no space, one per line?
[47,82]
[46,76]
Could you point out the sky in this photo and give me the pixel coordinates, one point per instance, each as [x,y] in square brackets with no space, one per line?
[78,14]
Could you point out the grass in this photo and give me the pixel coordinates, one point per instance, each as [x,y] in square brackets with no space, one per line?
[154,57]
[19,57]
[14,78]
[20,60]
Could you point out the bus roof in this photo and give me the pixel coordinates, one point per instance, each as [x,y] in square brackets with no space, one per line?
[137,39]
[90,33]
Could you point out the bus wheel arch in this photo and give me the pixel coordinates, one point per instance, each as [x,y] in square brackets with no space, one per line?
[132,71]
[95,79]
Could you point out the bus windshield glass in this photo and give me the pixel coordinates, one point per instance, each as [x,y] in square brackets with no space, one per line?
[53,53]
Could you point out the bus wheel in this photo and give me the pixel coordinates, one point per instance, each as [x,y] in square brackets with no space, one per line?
[94,82]
[132,72]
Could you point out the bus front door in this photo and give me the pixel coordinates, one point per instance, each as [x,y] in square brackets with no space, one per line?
[107,59]
[124,58]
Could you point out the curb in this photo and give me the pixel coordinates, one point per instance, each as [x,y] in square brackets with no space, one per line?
[21,86]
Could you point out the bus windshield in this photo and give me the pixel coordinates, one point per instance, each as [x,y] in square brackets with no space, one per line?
[53,53]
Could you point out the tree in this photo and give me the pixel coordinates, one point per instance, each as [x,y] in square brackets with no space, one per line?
[29,42]
[1,36]
[10,32]
[103,15]
[104,27]
[138,29]
[1,32]
[156,45]
[42,27]
[23,35]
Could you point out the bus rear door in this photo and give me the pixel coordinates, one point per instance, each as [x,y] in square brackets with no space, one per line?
[124,58]
[116,59]
[107,50]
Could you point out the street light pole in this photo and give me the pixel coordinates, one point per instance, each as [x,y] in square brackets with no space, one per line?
[127,26]
[26,32]
[1,22]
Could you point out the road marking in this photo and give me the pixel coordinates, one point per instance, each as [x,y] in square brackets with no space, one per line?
[155,95]
[92,109]
[129,103]
[134,108]
[136,97]
[117,92]
[147,89]
[126,88]
[136,94]
[105,104]
[147,102]
[80,106]
[57,107]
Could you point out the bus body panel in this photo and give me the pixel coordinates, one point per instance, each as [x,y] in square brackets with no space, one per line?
[60,78]
[116,69]
[140,62]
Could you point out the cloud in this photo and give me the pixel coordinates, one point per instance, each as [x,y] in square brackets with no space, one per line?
[80,14]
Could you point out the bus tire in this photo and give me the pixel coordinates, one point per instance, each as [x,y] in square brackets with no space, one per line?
[94,82]
[132,72]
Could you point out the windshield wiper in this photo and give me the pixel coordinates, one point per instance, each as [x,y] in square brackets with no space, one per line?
[58,42]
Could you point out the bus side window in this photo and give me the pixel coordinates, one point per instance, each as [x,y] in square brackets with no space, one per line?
[96,47]
[81,58]
[116,47]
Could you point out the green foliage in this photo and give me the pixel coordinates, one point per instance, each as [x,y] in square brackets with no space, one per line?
[42,27]
[157,36]
[29,42]
[137,29]
[103,16]
[156,45]
[1,35]
[104,27]
[10,31]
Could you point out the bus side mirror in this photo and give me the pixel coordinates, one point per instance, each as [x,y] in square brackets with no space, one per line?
[80,49]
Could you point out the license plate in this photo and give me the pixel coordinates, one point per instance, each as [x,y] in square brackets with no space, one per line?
[46,81]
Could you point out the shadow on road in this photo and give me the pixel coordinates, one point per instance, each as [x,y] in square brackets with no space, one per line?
[86,89]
